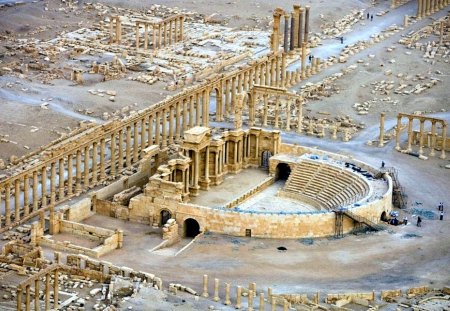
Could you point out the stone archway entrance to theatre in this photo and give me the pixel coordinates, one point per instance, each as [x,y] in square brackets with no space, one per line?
[191,228]
[283,171]
[165,216]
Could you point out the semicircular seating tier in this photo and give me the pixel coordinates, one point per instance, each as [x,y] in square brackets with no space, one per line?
[327,185]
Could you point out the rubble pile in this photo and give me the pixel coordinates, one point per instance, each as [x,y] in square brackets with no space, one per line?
[339,27]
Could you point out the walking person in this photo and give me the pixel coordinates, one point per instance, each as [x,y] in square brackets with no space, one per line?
[342,40]
[371,17]
[368,15]
[405,220]
[441,216]
[419,221]
[382,164]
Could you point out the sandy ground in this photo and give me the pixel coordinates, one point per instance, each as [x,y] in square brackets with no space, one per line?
[401,257]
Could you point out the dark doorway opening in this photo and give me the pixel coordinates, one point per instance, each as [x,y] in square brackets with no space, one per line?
[283,171]
[383,217]
[265,156]
[191,228]
[165,216]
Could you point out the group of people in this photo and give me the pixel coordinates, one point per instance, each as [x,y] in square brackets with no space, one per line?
[369,16]
[441,214]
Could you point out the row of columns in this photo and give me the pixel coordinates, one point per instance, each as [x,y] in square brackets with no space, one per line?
[251,295]
[71,174]
[47,291]
[296,29]
[231,155]
[115,30]
[297,35]
[422,134]
[165,33]
[105,156]
[271,72]
[428,7]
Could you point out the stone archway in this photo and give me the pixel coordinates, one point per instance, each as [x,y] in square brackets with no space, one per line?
[191,228]
[283,171]
[165,215]
[383,217]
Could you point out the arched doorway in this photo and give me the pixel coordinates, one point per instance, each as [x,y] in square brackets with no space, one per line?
[265,156]
[165,216]
[191,228]
[383,217]
[283,171]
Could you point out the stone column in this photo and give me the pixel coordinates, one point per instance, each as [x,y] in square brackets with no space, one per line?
[118,30]
[142,125]
[86,167]
[273,303]
[185,115]
[304,61]
[61,170]
[205,280]
[300,27]
[150,130]
[69,175]
[207,165]
[158,128]
[102,159]
[111,37]
[433,138]
[164,30]
[44,186]
[285,305]
[128,147]
[36,294]
[444,138]
[177,121]
[227,294]
[7,204]
[421,136]
[277,112]
[286,33]
[16,200]
[120,151]
[427,7]
[19,299]
[47,292]
[266,109]
[26,195]
[276,32]
[307,8]
[292,41]
[436,5]
[94,162]
[216,290]
[261,302]
[35,191]
[78,173]
[135,142]
[170,125]
[164,128]
[56,290]
[381,138]
[159,36]
[238,297]
[154,37]
[420,4]
[198,107]
[299,115]
[250,300]
[205,101]
[410,129]
[182,28]
[398,133]
[295,16]
[53,183]
[170,32]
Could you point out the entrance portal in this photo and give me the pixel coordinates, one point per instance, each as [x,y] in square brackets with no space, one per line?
[283,171]
[165,216]
[191,228]
[265,159]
